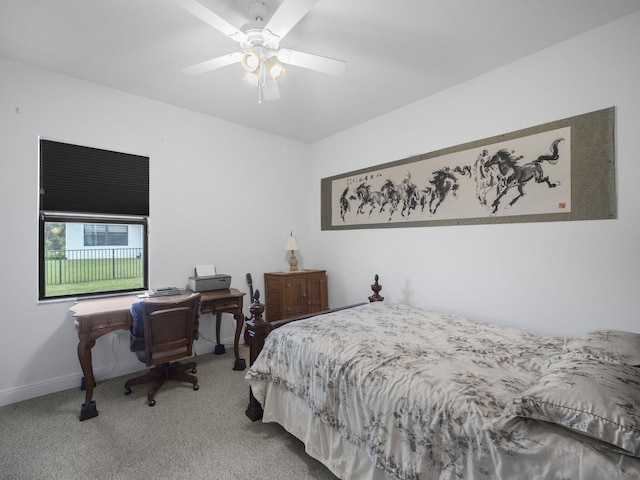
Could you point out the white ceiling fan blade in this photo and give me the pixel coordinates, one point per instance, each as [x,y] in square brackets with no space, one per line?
[213,64]
[270,89]
[198,10]
[288,15]
[312,62]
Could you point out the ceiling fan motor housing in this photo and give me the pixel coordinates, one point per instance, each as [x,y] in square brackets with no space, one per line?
[261,41]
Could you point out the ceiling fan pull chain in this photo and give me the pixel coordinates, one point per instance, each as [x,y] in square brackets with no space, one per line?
[261,81]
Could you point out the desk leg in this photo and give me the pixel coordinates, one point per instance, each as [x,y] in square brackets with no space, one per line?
[88,409]
[240,363]
[219,349]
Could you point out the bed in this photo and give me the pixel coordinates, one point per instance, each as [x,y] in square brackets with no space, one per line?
[386,391]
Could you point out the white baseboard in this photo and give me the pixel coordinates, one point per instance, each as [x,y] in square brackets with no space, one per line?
[66,382]
[25,392]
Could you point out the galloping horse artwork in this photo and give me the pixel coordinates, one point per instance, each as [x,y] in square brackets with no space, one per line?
[367,198]
[513,175]
[443,182]
[486,181]
[559,171]
[480,182]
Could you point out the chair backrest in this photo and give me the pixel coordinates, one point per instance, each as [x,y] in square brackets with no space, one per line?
[170,329]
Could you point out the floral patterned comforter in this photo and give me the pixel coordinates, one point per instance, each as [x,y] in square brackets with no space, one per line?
[423,394]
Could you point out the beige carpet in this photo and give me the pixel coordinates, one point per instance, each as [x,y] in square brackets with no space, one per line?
[189,434]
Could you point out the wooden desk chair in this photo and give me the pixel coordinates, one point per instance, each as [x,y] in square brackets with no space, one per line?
[164,331]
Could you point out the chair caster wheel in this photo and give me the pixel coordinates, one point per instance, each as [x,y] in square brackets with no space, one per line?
[127,391]
[152,403]
[194,370]
[196,387]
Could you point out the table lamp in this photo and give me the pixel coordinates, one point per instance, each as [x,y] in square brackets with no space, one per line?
[293,246]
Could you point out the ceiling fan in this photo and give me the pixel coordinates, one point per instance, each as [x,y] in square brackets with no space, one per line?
[261,55]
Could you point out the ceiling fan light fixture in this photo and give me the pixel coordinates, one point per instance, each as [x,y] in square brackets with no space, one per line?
[252,78]
[275,69]
[251,61]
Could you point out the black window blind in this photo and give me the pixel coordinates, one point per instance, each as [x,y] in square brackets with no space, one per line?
[81,179]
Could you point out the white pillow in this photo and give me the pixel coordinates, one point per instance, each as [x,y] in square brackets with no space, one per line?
[606,345]
[595,398]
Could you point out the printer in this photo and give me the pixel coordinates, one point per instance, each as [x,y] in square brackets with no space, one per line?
[209,282]
[205,279]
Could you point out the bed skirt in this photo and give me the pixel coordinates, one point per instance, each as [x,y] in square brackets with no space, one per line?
[321,442]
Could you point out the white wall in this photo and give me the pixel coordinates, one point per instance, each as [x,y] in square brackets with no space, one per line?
[215,197]
[558,277]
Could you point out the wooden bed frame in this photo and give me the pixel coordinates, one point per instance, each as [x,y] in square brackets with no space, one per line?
[258,328]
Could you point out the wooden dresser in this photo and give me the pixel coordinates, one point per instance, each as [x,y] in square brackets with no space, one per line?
[289,294]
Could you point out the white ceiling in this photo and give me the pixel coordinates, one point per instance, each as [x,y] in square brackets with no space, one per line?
[397,51]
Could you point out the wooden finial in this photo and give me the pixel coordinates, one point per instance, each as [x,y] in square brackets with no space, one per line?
[376,287]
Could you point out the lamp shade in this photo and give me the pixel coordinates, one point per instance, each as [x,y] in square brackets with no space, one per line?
[252,78]
[274,68]
[250,61]
[291,243]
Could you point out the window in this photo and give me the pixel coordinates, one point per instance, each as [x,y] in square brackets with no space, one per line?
[94,207]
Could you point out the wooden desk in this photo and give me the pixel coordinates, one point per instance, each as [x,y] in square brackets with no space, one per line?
[218,302]
[97,317]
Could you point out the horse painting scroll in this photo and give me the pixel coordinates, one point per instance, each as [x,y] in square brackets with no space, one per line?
[531,175]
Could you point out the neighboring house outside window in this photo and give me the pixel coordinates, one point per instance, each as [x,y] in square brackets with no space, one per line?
[87,236]
[105,235]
